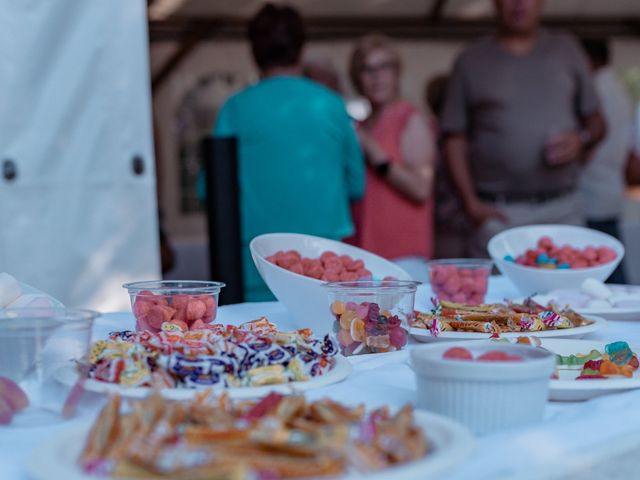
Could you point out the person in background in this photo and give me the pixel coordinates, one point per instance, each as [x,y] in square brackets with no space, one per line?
[395,217]
[452,228]
[322,70]
[299,161]
[602,183]
[520,119]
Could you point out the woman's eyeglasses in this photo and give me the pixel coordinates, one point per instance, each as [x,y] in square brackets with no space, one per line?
[378,67]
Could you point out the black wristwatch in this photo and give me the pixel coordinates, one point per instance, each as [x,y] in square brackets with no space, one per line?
[382,169]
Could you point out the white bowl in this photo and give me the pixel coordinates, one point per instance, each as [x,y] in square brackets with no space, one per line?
[306,298]
[485,396]
[530,280]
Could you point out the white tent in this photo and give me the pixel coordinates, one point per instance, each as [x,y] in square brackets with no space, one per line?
[77,194]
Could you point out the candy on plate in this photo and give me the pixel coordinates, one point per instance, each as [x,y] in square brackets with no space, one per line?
[497,318]
[253,354]
[277,437]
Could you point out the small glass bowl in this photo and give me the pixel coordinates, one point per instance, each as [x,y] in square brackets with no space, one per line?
[180,304]
[371,316]
[39,345]
[460,280]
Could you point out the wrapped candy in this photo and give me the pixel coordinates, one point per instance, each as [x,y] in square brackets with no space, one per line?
[253,354]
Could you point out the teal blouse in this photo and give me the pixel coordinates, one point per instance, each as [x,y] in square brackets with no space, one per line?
[299,163]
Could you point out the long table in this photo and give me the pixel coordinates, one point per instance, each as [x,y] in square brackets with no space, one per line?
[599,438]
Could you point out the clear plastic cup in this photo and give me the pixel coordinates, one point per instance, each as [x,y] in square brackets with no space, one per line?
[371,316]
[38,346]
[182,304]
[460,280]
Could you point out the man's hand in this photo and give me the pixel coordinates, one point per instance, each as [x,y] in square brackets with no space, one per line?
[479,212]
[563,148]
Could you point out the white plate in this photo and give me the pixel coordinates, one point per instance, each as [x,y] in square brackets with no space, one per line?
[56,458]
[423,335]
[568,389]
[608,313]
[67,375]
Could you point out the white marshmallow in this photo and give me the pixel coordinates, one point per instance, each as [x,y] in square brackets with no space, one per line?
[596,289]
[10,289]
[603,304]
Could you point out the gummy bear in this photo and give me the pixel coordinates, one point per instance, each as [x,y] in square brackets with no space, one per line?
[619,352]
[374,313]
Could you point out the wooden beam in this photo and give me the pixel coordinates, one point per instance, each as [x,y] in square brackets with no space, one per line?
[436,11]
[324,28]
[192,34]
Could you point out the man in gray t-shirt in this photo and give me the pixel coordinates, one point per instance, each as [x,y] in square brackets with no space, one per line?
[520,117]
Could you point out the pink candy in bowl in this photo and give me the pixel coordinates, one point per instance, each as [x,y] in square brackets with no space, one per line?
[174,305]
[460,280]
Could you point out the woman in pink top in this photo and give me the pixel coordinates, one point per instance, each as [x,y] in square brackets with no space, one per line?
[395,217]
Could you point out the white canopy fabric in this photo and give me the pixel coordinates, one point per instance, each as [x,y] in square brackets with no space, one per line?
[76,221]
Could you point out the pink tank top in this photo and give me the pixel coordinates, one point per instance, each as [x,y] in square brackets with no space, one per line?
[387,223]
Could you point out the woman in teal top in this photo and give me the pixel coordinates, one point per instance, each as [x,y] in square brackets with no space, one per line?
[299,159]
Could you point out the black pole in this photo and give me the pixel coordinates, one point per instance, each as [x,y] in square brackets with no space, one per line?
[223,215]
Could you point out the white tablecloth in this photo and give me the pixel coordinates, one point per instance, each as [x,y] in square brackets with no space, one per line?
[574,438]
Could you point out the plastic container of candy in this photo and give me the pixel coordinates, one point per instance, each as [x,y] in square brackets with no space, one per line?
[173,304]
[371,316]
[460,280]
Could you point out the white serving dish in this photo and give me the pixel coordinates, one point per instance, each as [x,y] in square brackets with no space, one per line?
[68,375]
[424,335]
[484,396]
[566,388]
[306,298]
[532,281]
[451,442]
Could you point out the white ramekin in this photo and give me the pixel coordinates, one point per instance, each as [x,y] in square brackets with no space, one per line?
[484,396]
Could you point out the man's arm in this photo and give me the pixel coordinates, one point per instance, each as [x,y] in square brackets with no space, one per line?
[455,149]
[593,132]
[578,146]
[572,146]
[632,172]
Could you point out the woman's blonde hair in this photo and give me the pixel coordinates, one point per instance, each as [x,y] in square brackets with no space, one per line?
[363,48]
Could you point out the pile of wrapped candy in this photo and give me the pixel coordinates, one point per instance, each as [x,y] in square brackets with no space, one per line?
[253,354]
[497,318]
